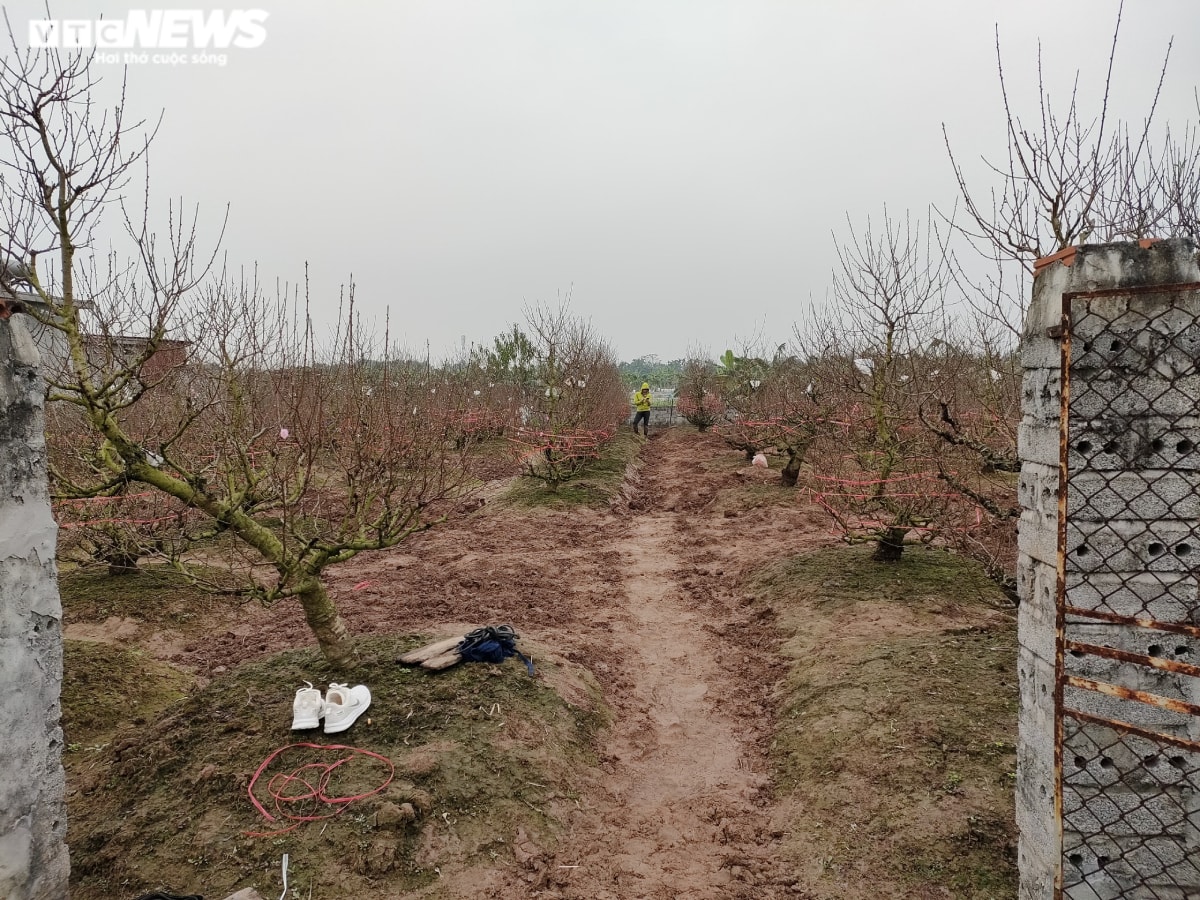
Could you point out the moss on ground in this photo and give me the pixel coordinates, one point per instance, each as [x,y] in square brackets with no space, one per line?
[106,685]
[155,593]
[897,729]
[925,579]
[596,486]
[479,751]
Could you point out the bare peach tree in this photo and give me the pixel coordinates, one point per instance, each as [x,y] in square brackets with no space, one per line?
[294,451]
[774,405]
[575,400]
[502,377]
[922,440]
[699,392]
[1070,177]
[792,412]
[887,299]
[969,408]
[972,403]
[1073,171]
[739,378]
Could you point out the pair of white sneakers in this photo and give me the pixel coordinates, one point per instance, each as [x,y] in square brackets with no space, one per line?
[340,707]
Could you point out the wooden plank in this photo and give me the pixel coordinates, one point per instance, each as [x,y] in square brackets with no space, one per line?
[429,651]
[445,661]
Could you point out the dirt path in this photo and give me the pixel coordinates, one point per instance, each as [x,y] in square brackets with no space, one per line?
[684,811]
[680,772]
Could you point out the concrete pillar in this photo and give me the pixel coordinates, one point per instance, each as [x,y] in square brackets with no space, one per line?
[1107,810]
[33,823]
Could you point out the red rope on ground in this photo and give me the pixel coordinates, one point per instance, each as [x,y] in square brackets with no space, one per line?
[891,479]
[171,518]
[114,498]
[580,442]
[281,784]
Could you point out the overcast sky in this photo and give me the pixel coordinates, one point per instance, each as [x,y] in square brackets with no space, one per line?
[677,166]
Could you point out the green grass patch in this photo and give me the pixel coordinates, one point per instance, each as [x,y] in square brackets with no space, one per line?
[155,593]
[898,726]
[479,751]
[106,685]
[596,485]
[924,579]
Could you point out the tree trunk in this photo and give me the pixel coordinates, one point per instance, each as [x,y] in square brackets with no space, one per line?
[120,556]
[125,566]
[322,616]
[791,470]
[890,545]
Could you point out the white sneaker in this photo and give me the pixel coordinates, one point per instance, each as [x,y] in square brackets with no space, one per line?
[343,705]
[307,708]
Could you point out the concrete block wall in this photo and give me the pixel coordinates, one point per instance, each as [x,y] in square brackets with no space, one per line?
[1132,545]
[33,823]
[1039,849]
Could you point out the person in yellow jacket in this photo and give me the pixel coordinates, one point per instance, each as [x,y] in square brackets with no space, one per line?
[641,403]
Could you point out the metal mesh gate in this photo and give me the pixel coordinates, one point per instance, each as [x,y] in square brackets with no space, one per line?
[1128,653]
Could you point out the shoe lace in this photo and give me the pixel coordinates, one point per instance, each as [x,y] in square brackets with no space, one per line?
[309,688]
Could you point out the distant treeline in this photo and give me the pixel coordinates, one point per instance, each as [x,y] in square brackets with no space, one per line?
[652,369]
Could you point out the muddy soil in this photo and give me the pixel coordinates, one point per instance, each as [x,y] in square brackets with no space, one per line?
[647,595]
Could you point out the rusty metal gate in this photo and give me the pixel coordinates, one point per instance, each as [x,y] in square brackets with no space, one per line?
[1127,748]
